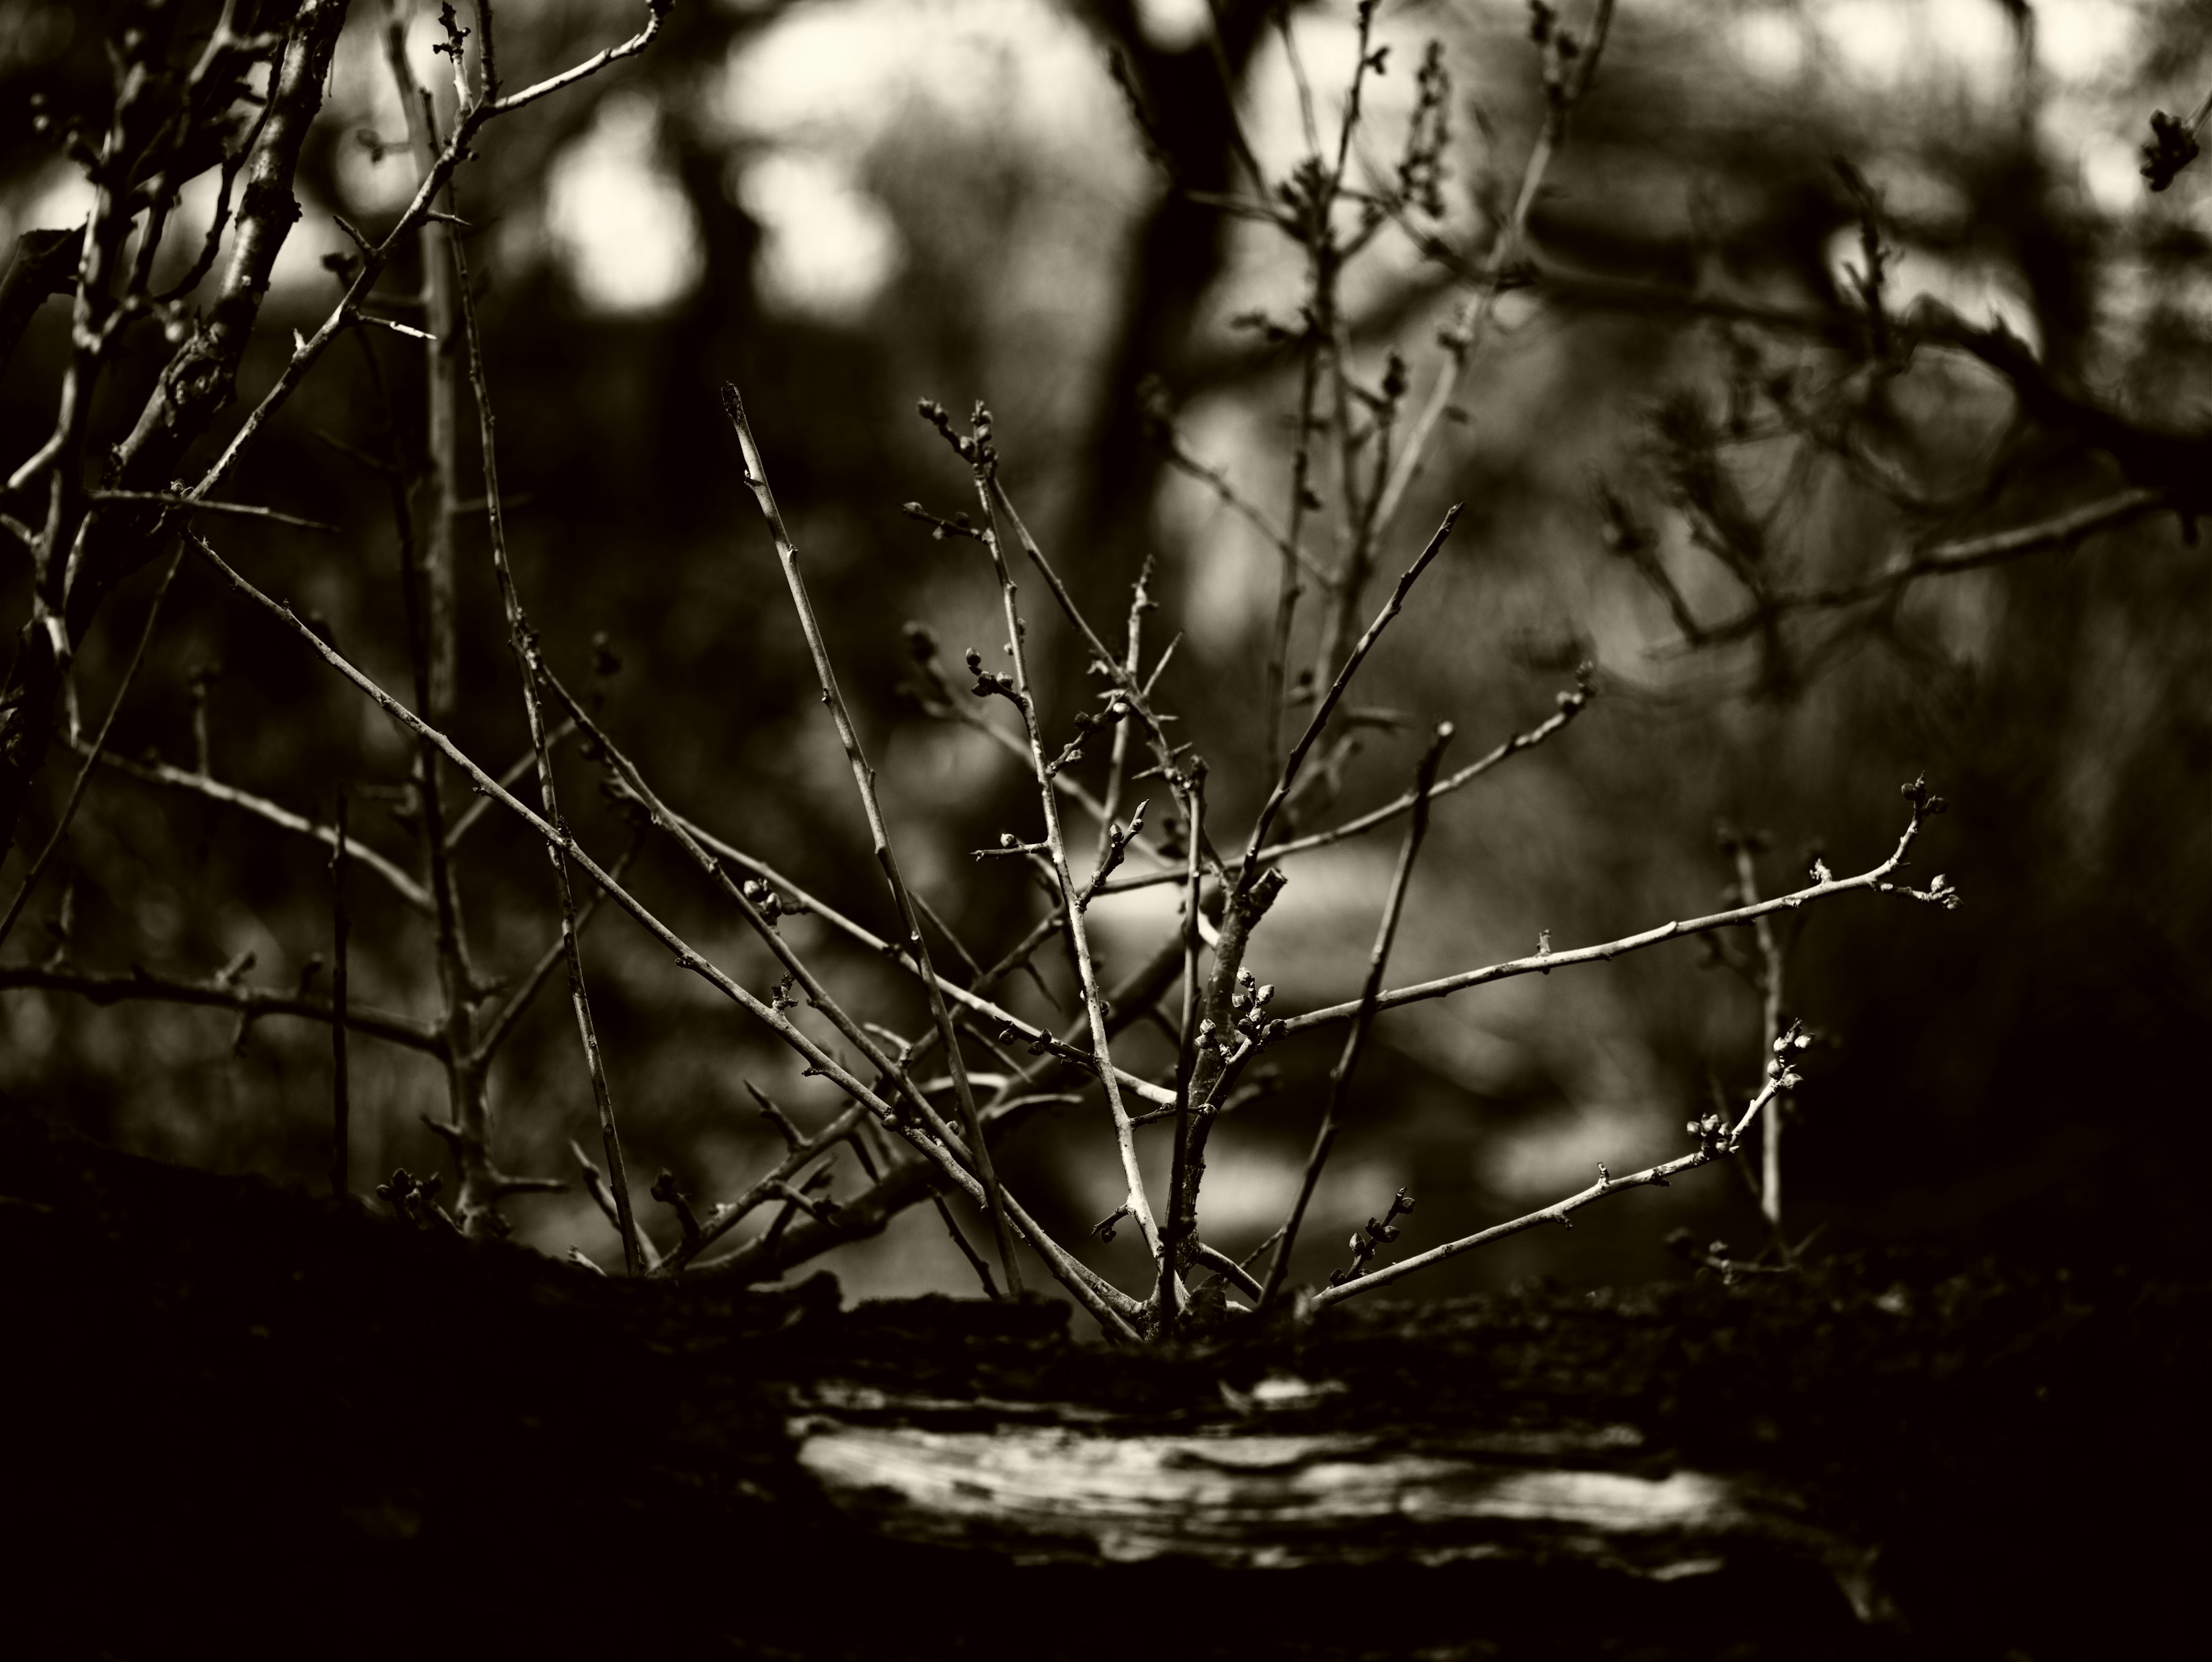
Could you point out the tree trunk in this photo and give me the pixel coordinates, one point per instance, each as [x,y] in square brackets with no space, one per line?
[250,1416]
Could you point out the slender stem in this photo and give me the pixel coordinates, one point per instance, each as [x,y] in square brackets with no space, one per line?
[1874,880]
[98,745]
[1474,317]
[341,1088]
[1340,1079]
[1769,985]
[1328,703]
[249,1003]
[524,644]
[1140,602]
[201,785]
[1289,588]
[1571,705]
[1719,1147]
[863,779]
[495,1031]
[1056,843]
[1181,1215]
[441,374]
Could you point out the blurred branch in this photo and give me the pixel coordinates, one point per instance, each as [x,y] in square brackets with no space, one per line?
[92,753]
[252,1003]
[522,641]
[199,784]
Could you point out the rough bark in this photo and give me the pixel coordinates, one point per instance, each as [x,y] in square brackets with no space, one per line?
[252,1415]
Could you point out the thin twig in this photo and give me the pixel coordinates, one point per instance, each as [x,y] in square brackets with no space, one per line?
[216,791]
[1327,705]
[251,1003]
[494,1033]
[1181,1216]
[203,505]
[1768,983]
[864,780]
[524,644]
[1340,1079]
[92,755]
[1468,325]
[984,462]
[1713,1144]
[341,1093]
[1875,880]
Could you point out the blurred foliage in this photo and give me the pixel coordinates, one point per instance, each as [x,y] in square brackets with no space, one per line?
[2012,1075]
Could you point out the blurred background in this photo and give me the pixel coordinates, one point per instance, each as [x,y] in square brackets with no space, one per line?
[844,205]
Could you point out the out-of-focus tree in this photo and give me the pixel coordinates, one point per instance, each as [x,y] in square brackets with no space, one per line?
[1725,393]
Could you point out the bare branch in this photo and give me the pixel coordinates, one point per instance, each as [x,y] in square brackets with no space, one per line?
[251,1003]
[1340,1079]
[1875,880]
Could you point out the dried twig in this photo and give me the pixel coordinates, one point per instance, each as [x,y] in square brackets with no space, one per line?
[93,753]
[1716,1141]
[1874,880]
[341,1083]
[863,779]
[1340,1079]
[523,643]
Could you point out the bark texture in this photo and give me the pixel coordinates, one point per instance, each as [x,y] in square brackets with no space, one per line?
[249,1416]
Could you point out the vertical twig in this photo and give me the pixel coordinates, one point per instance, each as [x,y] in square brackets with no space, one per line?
[425,580]
[983,459]
[1769,985]
[441,391]
[525,646]
[1181,1212]
[1563,96]
[1140,602]
[1250,869]
[1340,1079]
[92,757]
[341,1088]
[864,778]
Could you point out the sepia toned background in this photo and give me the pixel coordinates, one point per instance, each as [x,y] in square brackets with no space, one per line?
[844,205]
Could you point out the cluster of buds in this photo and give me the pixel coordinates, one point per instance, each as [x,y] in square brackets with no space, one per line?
[1562,49]
[987,683]
[974,450]
[1378,1234]
[1249,1001]
[666,1191]
[1421,169]
[1039,1042]
[1118,838]
[1711,1131]
[1117,711]
[416,1200]
[2172,147]
[1787,1045]
[770,904]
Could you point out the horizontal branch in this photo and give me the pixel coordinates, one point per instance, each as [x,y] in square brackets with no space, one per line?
[1947,559]
[200,784]
[251,1003]
[1572,704]
[1713,1144]
[1875,880]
